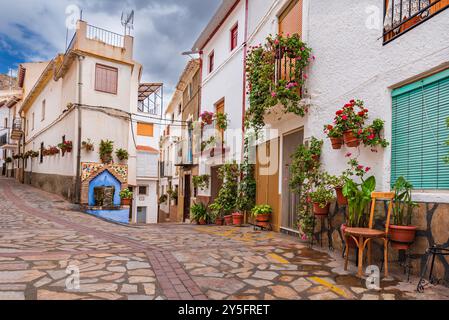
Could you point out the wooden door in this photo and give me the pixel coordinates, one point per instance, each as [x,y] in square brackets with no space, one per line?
[290,21]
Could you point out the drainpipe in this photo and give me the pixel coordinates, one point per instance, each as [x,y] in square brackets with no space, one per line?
[79,113]
[245,52]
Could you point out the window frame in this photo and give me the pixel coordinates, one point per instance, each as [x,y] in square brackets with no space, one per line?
[43,107]
[234,41]
[211,62]
[99,65]
[146,190]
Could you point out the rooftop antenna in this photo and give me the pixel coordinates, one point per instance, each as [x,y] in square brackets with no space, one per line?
[128,21]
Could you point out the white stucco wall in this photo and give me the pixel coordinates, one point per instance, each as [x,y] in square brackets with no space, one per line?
[352,62]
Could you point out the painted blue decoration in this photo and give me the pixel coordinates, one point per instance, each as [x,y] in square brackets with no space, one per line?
[120,216]
[105,179]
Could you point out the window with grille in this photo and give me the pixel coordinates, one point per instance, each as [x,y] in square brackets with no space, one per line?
[106,79]
[234,37]
[211,61]
[419,133]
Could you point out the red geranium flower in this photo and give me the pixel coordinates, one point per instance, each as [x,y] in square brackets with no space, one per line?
[361,113]
[339,112]
[367,169]
[329,127]
[345,118]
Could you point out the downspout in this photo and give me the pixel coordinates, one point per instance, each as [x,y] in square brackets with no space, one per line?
[79,113]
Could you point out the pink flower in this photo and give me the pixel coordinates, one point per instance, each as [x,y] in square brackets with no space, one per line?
[360,167]
[345,117]
[367,169]
[304,237]
[303,49]
[276,41]
[288,35]
[273,94]
[371,137]
[313,57]
[348,155]
[305,76]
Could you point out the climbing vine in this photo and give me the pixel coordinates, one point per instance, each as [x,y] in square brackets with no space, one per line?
[275,74]
[247,187]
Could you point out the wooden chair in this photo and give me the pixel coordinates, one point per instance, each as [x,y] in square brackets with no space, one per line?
[364,236]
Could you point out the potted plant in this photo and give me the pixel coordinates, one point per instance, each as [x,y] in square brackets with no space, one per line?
[335,134]
[350,119]
[127,196]
[371,135]
[262,213]
[222,120]
[88,145]
[321,199]
[316,148]
[201,182]
[227,196]
[163,199]
[237,218]
[338,183]
[207,118]
[198,213]
[106,149]
[215,212]
[53,150]
[65,146]
[402,233]
[122,154]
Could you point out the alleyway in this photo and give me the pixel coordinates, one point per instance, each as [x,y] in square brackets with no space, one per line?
[41,235]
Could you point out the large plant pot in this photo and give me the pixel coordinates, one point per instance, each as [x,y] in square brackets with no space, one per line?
[351,243]
[318,211]
[228,220]
[341,199]
[337,143]
[402,236]
[202,222]
[263,217]
[237,219]
[126,202]
[219,221]
[351,139]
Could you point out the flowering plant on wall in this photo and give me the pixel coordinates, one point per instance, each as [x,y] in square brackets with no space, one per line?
[207,117]
[371,135]
[275,74]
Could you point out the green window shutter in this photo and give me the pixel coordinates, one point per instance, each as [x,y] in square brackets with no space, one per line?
[419,133]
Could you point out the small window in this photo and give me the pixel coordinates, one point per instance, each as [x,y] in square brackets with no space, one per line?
[32,121]
[28,126]
[145,129]
[172,118]
[106,79]
[143,190]
[234,37]
[43,111]
[211,61]
[6,123]
[41,159]
[180,108]
[190,88]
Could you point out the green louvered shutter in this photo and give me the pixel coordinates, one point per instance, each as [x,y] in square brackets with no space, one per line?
[419,133]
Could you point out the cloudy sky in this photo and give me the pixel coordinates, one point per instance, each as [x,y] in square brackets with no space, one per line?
[35,30]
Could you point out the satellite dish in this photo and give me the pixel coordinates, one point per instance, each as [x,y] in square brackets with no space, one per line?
[128,21]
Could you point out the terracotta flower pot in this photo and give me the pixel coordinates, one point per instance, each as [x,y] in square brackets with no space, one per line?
[219,221]
[350,139]
[237,219]
[126,202]
[337,143]
[263,217]
[228,220]
[202,222]
[341,199]
[404,235]
[351,243]
[318,211]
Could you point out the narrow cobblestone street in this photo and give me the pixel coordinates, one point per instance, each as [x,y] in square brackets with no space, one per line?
[41,235]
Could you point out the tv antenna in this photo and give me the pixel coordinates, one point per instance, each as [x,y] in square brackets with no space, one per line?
[128,21]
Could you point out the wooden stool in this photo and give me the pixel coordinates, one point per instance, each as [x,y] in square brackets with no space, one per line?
[363,236]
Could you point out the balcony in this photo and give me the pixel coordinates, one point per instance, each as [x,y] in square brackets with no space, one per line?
[401,16]
[183,154]
[16,130]
[150,98]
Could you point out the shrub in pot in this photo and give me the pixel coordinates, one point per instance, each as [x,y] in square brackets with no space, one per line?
[106,149]
[216,213]
[262,213]
[237,218]
[402,233]
[222,120]
[198,213]
[127,196]
[315,148]
[66,146]
[88,145]
[349,120]
[371,135]
[338,183]
[122,154]
[163,199]
[321,199]
[335,134]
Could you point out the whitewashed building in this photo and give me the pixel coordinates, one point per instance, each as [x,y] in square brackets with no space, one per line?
[89,94]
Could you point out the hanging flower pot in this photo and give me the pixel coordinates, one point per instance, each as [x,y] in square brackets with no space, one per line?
[404,235]
[319,211]
[341,199]
[337,143]
[237,219]
[350,139]
[228,220]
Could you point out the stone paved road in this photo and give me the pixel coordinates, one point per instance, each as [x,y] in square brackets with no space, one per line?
[41,236]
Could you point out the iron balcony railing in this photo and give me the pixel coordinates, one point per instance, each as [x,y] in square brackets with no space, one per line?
[149,106]
[284,67]
[17,124]
[401,16]
[3,140]
[71,43]
[105,36]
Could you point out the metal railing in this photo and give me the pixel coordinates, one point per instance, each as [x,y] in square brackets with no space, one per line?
[401,16]
[105,36]
[149,106]
[17,124]
[71,43]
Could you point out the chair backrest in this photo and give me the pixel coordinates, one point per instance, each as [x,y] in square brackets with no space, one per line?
[375,196]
